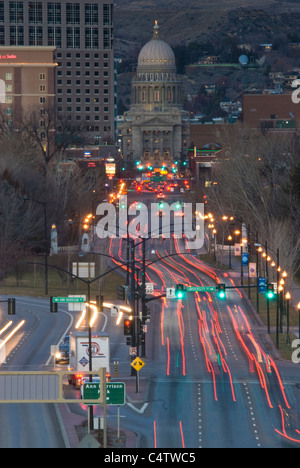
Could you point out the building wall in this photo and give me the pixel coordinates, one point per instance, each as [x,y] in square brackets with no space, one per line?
[270,111]
[28,74]
[82,32]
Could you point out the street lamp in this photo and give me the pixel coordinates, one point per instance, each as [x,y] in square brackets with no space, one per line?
[288,298]
[298,307]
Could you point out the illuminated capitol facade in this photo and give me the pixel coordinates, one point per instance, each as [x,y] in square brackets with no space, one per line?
[156,129]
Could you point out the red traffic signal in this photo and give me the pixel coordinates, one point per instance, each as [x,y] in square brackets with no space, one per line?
[128,327]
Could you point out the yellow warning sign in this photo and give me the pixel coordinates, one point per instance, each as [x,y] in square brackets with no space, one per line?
[138,364]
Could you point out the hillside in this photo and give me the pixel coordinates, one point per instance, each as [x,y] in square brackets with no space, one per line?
[200,21]
[221,23]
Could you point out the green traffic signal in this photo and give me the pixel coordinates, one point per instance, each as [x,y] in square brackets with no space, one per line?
[221,292]
[270,292]
[180,291]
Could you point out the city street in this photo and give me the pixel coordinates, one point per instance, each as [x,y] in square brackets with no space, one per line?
[211,382]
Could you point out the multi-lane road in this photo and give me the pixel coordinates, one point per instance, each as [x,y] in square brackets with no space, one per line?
[211,381]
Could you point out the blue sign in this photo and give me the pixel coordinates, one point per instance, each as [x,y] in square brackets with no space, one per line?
[262,285]
[245,259]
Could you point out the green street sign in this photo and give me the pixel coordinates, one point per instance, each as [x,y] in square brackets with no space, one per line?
[68,300]
[201,289]
[115,392]
[91,391]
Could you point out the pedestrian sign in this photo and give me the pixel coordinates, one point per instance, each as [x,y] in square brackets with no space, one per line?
[137,364]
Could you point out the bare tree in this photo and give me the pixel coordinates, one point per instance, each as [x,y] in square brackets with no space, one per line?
[251,183]
[40,129]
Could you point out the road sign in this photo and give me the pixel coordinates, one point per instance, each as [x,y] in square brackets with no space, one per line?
[133,351]
[115,392]
[262,285]
[68,300]
[91,391]
[114,311]
[137,364]
[201,289]
[171,293]
[149,288]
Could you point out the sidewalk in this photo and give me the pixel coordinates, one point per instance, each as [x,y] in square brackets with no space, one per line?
[236,269]
[235,274]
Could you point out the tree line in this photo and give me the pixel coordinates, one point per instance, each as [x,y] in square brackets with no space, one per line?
[34,169]
[256,180]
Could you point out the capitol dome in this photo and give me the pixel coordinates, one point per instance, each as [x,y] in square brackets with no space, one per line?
[156,53]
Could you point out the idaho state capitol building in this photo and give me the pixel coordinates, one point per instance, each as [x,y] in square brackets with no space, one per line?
[155,131]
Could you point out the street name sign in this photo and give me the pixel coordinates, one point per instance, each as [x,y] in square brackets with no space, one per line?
[68,300]
[201,289]
[115,392]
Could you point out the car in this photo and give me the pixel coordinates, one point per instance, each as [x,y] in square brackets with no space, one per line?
[63,354]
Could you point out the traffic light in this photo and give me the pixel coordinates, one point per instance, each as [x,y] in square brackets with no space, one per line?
[99,301]
[121,293]
[221,291]
[53,306]
[270,292]
[11,306]
[128,327]
[180,291]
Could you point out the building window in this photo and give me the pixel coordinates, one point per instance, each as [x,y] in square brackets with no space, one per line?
[73,13]
[1,12]
[42,76]
[35,12]
[54,13]
[16,12]
[16,35]
[91,14]
[107,15]
[107,38]
[42,88]
[54,36]
[156,96]
[2,35]
[73,38]
[91,38]
[35,35]
[8,76]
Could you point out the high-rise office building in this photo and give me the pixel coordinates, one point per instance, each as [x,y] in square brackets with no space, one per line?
[82,33]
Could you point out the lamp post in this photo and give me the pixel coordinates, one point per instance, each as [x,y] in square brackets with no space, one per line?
[298,307]
[287,298]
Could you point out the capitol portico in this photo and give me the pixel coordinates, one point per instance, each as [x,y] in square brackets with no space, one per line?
[156,129]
